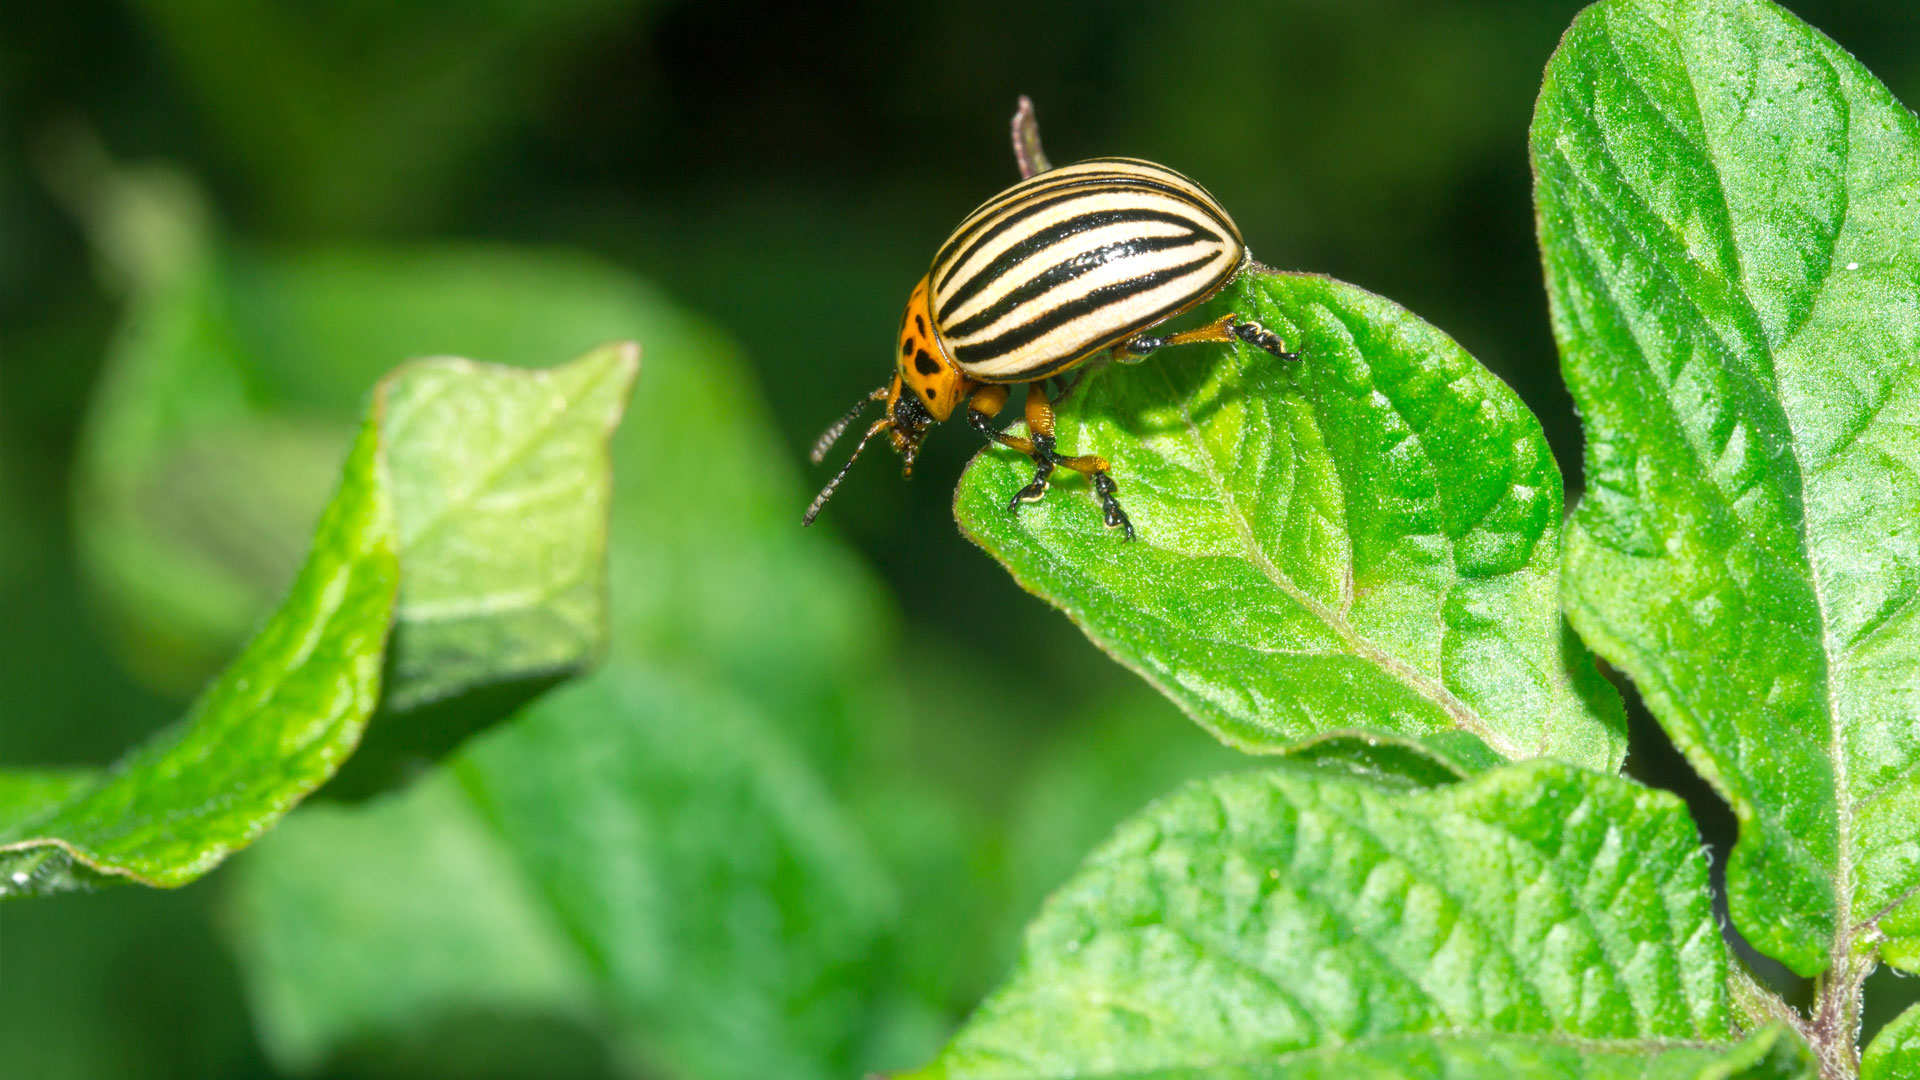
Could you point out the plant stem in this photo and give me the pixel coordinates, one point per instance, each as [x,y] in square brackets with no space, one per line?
[1833,1029]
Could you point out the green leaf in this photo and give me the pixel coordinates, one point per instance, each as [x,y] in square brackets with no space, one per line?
[656,837]
[687,792]
[1726,207]
[359,955]
[1123,749]
[1894,1053]
[667,796]
[1442,758]
[502,485]
[274,726]
[276,352]
[1770,1055]
[1289,910]
[23,792]
[1367,538]
[707,569]
[502,489]
[416,500]
[191,515]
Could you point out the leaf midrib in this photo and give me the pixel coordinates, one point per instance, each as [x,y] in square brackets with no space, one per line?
[1462,714]
[1843,883]
[560,409]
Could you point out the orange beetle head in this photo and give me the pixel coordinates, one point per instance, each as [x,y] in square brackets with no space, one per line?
[927,386]
[925,367]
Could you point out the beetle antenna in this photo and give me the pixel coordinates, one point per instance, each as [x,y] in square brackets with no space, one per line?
[826,493]
[834,430]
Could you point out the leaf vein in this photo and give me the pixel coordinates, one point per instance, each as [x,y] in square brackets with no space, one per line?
[1459,711]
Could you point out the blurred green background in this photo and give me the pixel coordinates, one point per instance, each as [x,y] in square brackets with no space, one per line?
[750,192]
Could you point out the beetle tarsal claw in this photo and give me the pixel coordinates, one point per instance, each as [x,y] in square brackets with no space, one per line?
[1105,490]
[1037,490]
[1260,337]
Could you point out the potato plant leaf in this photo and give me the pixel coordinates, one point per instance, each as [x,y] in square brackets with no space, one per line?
[1727,205]
[490,556]
[502,486]
[371,879]
[671,817]
[1772,1054]
[1366,538]
[586,826]
[1894,1052]
[1534,918]
[1397,760]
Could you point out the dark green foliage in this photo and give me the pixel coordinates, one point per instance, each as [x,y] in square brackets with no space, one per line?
[781,829]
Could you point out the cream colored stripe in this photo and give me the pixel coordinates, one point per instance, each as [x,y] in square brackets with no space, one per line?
[1083,334]
[1113,273]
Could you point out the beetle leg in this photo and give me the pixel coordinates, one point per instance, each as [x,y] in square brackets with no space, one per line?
[1043,461]
[1104,487]
[1135,349]
[1040,431]
[1093,466]
[1258,336]
[983,406]
[1227,329]
[986,404]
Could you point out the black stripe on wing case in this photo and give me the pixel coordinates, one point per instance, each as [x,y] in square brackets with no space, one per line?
[1093,301]
[1035,246]
[1035,288]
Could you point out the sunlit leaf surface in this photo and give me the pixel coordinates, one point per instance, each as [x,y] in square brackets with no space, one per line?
[1363,539]
[1728,206]
[1536,914]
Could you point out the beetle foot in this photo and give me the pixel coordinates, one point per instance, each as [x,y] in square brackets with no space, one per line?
[1034,492]
[1254,334]
[1104,487]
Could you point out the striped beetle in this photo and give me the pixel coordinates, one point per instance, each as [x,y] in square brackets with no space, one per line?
[1055,270]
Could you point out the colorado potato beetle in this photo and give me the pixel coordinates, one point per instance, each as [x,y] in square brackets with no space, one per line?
[1065,265]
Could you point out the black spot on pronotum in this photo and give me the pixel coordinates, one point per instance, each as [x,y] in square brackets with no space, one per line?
[925,364]
[921,322]
[906,347]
